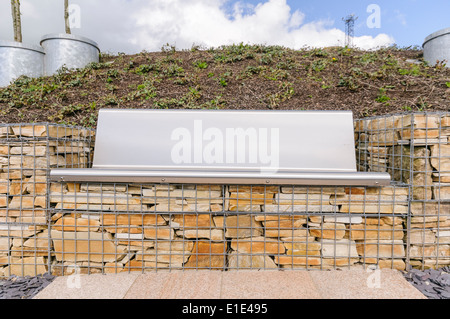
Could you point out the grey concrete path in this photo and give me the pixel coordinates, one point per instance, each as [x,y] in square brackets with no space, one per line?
[347,284]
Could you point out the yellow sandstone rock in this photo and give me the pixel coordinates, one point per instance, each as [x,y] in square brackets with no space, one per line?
[132,219]
[298,260]
[28,266]
[240,226]
[381,248]
[246,261]
[207,255]
[367,232]
[85,246]
[258,245]
[26,202]
[76,224]
[328,231]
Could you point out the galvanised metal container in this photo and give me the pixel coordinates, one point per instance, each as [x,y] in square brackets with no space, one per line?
[71,51]
[437,47]
[17,59]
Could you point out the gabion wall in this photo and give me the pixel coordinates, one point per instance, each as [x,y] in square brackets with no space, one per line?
[126,227]
[63,228]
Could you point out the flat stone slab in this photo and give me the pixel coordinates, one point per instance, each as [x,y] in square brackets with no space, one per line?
[364,284]
[177,285]
[97,286]
[268,285]
[289,284]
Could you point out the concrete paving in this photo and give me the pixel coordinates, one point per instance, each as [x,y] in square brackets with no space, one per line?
[346,284]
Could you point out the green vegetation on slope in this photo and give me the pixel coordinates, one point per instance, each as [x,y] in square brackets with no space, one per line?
[369,83]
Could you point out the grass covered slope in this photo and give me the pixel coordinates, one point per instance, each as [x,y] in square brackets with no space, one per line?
[241,76]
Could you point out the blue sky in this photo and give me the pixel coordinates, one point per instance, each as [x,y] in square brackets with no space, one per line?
[131,26]
[409,22]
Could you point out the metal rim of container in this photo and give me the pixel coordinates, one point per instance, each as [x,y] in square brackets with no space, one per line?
[59,36]
[436,35]
[19,45]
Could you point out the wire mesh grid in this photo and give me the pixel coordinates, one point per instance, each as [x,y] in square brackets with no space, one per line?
[415,150]
[114,228]
[27,153]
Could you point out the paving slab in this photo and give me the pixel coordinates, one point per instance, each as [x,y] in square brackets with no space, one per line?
[268,285]
[346,284]
[177,285]
[364,284]
[96,286]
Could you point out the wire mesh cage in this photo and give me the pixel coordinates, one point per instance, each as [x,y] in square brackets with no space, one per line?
[27,153]
[415,150]
[148,227]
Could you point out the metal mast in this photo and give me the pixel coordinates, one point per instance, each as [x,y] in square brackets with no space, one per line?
[349,29]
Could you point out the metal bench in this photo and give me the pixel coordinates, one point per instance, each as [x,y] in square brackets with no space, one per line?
[224,147]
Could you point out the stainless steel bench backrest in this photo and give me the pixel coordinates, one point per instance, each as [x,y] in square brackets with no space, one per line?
[224,147]
[148,139]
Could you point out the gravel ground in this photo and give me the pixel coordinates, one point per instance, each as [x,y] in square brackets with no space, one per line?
[23,287]
[434,284]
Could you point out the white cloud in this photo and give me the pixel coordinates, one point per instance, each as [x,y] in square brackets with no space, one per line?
[271,22]
[135,25]
[296,19]
[368,42]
